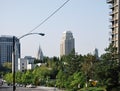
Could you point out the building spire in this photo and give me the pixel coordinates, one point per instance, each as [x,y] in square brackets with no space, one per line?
[40,54]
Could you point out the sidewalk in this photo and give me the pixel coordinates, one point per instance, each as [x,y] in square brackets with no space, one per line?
[49,88]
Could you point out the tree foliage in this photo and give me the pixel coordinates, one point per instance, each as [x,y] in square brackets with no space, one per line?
[73,71]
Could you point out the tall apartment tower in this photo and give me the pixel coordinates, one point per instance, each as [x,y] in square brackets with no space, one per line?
[67,44]
[114,5]
[6,48]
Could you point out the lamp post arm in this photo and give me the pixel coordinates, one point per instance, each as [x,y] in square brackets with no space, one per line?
[13,55]
[42,34]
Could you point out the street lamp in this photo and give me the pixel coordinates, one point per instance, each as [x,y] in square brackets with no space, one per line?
[13,54]
[42,34]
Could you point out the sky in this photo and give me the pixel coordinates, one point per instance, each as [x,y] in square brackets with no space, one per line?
[88,20]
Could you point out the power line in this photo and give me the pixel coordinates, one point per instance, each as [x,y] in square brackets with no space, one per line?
[49,16]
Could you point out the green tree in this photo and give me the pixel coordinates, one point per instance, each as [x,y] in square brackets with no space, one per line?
[71,63]
[88,66]
[107,73]
[78,81]
[27,77]
[5,68]
[9,78]
[19,77]
[8,65]
[41,75]
[61,79]
[107,69]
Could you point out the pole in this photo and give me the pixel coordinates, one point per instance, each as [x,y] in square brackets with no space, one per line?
[13,55]
[13,63]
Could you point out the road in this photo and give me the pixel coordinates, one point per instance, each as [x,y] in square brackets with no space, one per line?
[29,89]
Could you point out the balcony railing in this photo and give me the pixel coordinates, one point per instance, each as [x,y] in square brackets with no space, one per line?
[111,6]
[112,26]
[109,1]
[111,20]
[111,13]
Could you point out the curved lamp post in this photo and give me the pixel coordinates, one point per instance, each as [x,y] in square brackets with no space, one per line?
[13,54]
[42,34]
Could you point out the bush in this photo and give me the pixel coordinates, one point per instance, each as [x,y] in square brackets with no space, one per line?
[93,89]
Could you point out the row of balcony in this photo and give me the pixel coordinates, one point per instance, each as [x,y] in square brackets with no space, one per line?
[109,1]
[113,12]
[111,6]
[115,43]
[113,26]
[113,39]
[114,36]
[113,32]
[111,20]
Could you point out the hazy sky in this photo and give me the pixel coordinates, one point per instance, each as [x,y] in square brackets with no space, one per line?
[87,19]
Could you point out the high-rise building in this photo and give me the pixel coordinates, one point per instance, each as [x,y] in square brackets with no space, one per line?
[6,49]
[67,44]
[95,53]
[114,5]
[40,54]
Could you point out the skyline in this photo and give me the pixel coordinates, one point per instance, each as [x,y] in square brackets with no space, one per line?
[87,20]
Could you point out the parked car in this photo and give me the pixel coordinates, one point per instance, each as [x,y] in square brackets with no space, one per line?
[30,86]
[1,82]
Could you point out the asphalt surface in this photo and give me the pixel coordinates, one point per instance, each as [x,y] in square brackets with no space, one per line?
[29,89]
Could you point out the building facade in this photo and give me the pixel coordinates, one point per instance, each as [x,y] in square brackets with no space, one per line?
[114,5]
[26,63]
[67,44]
[6,48]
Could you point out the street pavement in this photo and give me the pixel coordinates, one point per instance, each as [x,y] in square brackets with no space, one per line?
[40,88]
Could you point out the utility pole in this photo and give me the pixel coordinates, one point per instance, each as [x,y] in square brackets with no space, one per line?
[13,63]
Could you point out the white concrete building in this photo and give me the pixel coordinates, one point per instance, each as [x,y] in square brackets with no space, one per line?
[114,6]
[26,63]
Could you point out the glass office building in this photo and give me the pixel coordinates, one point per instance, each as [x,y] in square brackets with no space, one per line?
[6,48]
